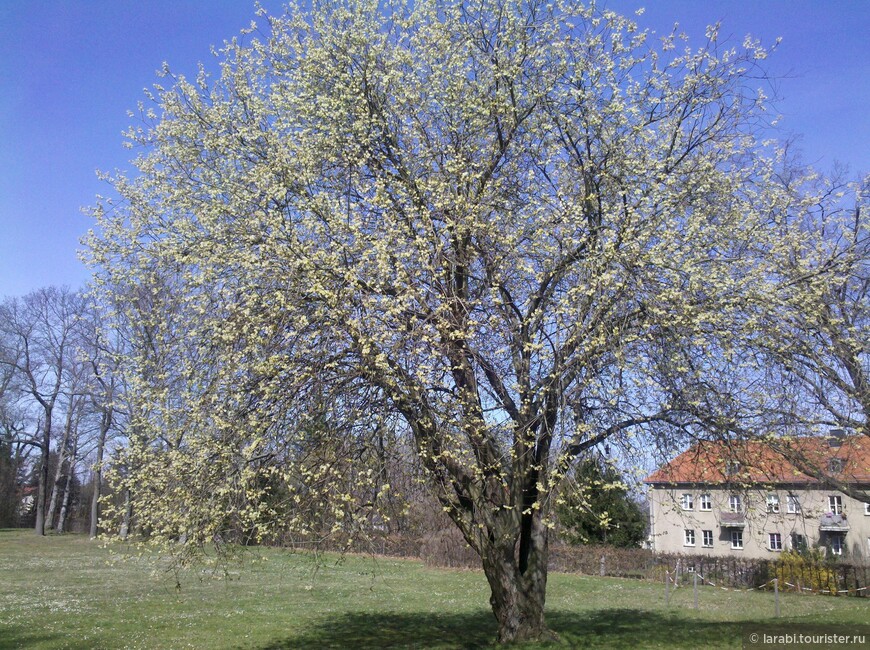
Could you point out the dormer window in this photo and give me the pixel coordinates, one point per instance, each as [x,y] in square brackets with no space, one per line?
[835,465]
[732,468]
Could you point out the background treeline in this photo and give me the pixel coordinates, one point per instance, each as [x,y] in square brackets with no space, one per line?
[58,410]
[64,419]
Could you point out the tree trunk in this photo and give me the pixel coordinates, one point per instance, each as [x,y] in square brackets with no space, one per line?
[128,516]
[43,476]
[95,499]
[518,586]
[98,474]
[52,502]
[64,509]
[518,610]
[58,473]
[40,499]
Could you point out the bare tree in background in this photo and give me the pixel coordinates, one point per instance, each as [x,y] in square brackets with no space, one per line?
[101,352]
[40,331]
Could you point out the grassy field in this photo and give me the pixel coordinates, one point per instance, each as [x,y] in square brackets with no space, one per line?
[67,592]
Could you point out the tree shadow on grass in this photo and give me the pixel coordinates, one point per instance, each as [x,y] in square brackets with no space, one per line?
[13,636]
[629,629]
[395,630]
[609,628]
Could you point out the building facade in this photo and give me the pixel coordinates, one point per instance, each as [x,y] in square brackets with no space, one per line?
[748,500]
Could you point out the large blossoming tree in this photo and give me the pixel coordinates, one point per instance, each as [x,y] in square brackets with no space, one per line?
[488,227]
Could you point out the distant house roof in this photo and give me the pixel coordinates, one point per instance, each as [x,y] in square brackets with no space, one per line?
[777,461]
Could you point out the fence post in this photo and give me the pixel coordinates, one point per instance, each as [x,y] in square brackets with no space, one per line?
[776,595]
[601,570]
[695,588]
[667,588]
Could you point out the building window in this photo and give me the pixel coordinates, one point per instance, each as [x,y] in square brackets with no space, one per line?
[736,539]
[793,504]
[690,537]
[707,502]
[773,503]
[687,502]
[735,503]
[732,468]
[774,541]
[838,542]
[867,509]
[798,542]
[835,504]
[836,465]
[708,538]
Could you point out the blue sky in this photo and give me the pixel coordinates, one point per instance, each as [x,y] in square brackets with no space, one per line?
[72,68]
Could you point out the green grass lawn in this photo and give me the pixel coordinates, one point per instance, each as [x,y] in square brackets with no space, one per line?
[68,592]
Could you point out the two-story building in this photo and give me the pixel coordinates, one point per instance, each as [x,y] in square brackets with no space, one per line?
[745,498]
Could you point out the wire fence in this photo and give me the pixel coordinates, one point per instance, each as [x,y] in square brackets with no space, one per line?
[805,573]
[672,583]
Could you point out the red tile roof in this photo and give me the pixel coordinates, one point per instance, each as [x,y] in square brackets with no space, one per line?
[779,460]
